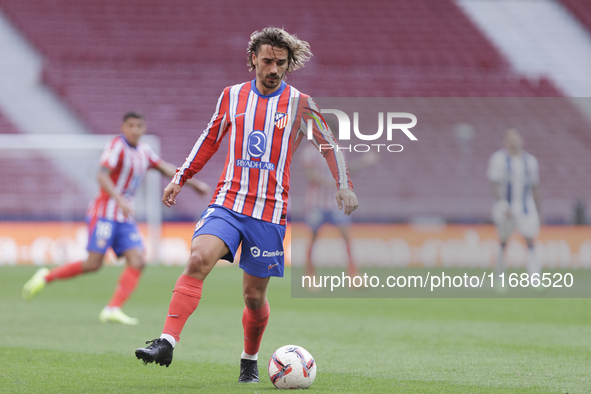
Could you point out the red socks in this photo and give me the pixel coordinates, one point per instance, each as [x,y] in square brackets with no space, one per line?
[127,282]
[65,271]
[185,299]
[254,323]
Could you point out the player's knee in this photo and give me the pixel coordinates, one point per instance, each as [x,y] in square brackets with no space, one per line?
[138,263]
[198,263]
[92,265]
[135,259]
[254,298]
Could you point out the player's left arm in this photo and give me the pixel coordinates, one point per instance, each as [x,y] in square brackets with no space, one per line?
[535,189]
[169,170]
[323,137]
[536,195]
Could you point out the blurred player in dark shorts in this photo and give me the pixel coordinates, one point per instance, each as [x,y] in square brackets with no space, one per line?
[111,219]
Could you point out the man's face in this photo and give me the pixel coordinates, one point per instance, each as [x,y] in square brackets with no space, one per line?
[513,141]
[133,129]
[270,65]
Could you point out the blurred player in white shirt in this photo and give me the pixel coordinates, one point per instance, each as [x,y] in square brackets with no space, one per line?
[515,179]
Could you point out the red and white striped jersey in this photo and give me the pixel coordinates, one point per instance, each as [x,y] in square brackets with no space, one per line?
[128,167]
[264,132]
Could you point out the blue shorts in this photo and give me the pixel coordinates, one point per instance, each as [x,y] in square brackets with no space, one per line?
[317,217]
[104,233]
[262,242]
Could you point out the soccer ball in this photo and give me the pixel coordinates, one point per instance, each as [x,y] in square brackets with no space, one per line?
[292,367]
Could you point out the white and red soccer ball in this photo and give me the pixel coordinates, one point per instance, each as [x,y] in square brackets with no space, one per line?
[292,367]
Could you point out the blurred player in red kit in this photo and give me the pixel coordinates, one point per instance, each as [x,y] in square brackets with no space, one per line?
[265,120]
[110,216]
[320,205]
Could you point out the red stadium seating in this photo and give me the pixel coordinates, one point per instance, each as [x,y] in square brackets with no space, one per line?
[581,9]
[6,126]
[24,174]
[439,175]
[171,60]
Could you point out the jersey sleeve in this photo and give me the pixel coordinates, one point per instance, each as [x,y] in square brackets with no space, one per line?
[208,143]
[535,171]
[496,168]
[323,140]
[153,159]
[111,154]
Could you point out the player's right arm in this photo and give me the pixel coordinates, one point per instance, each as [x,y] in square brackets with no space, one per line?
[495,188]
[111,160]
[535,174]
[169,170]
[106,183]
[495,173]
[207,144]
[170,193]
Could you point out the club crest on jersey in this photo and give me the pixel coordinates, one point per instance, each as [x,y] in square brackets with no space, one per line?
[280,120]
[257,144]
[199,224]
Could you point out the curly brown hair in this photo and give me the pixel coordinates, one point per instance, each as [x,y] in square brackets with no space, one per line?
[298,51]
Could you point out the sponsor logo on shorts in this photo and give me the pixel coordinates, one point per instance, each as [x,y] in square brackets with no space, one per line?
[134,237]
[273,254]
[256,252]
[273,265]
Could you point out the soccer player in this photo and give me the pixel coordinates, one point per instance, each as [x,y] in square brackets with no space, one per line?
[266,120]
[514,177]
[319,202]
[110,217]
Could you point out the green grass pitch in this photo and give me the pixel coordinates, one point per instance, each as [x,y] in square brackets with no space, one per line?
[55,343]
